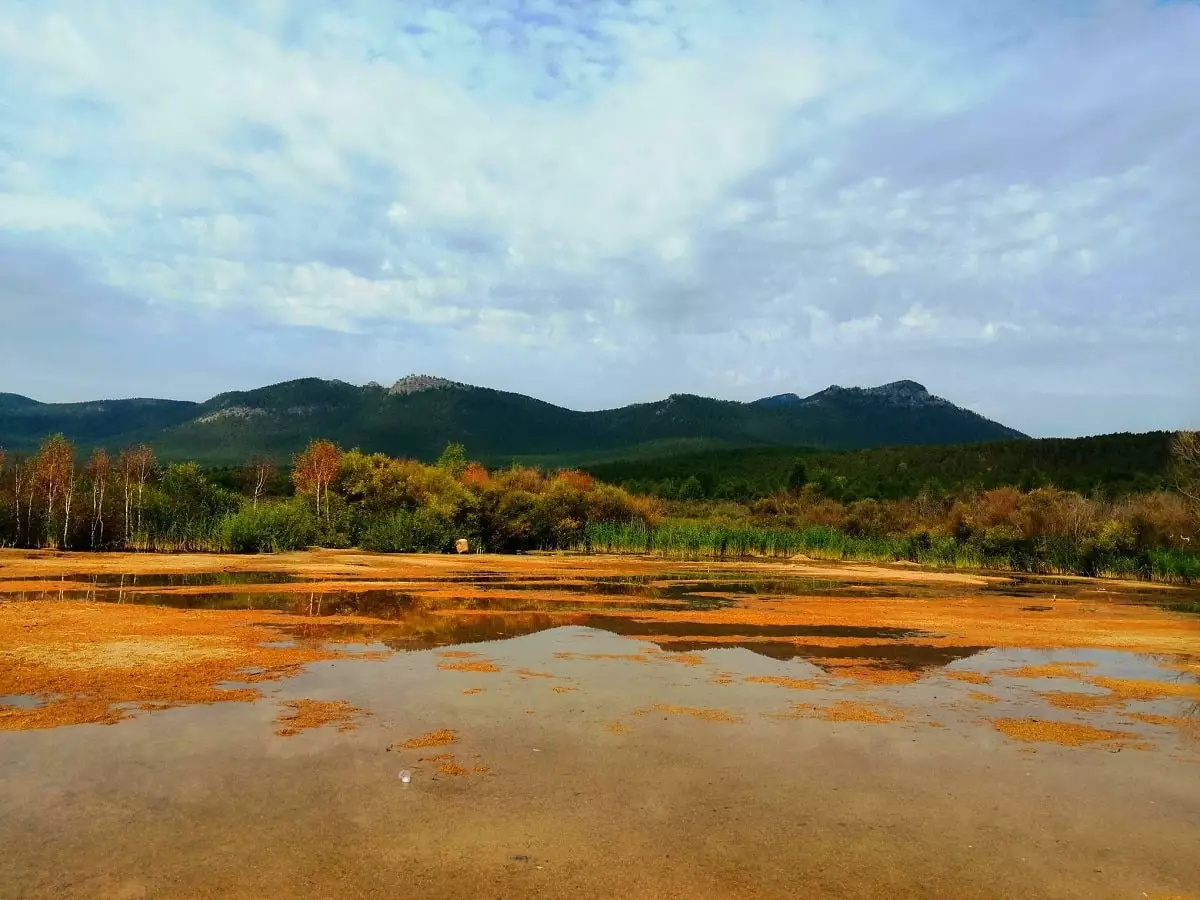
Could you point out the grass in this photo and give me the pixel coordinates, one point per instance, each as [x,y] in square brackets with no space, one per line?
[700,540]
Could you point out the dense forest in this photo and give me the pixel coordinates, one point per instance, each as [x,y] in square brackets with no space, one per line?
[1108,465]
[328,497]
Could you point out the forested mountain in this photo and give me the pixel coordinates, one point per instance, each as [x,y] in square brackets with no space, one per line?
[419,415]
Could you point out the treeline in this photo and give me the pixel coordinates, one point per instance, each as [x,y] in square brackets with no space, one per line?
[338,499]
[1045,530]
[327,497]
[1108,465]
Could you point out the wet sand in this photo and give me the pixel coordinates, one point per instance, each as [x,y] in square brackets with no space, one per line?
[588,727]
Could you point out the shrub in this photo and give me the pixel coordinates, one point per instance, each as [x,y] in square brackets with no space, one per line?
[269,528]
[409,531]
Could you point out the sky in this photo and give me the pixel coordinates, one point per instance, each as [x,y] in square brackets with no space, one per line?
[600,202]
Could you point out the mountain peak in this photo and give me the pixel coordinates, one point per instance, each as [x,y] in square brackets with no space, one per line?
[905,393]
[414,384]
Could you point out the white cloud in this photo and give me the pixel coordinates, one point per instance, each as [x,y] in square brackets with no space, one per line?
[31,212]
[623,176]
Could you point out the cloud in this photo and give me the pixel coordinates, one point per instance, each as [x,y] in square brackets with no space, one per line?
[732,198]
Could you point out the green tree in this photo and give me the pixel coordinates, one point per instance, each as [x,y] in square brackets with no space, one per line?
[797,478]
[691,489]
[453,459]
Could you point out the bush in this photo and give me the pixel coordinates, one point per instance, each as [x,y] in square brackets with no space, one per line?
[408,531]
[269,528]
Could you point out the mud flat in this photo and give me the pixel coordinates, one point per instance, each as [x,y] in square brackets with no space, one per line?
[219,726]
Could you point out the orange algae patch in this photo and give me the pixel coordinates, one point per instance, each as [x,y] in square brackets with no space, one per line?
[723,678]
[1049,670]
[982,697]
[1145,689]
[561,689]
[470,665]
[530,673]
[306,714]
[628,657]
[617,727]
[447,765]
[969,677]
[794,684]
[1077,701]
[91,662]
[470,691]
[709,715]
[1165,721]
[868,674]
[687,659]
[850,711]
[1068,734]
[457,654]
[440,738]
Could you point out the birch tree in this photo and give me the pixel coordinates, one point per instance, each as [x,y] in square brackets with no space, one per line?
[54,466]
[315,470]
[262,470]
[99,468]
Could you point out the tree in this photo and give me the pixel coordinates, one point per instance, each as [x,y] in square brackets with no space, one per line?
[1185,451]
[691,489]
[136,466]
[314,471]
[54,470]
[99,468]
[20,475]
[262,470]
[453,459]
[797,478]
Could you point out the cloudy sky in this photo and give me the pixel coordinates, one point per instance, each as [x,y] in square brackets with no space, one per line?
[599,202]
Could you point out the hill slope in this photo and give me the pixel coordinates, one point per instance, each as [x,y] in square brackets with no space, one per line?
[418,415]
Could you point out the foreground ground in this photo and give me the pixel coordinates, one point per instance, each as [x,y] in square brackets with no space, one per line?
[587,726]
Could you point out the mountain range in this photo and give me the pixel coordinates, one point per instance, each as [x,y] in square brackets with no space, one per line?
[420,414]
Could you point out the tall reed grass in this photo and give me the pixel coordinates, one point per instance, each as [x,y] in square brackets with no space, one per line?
[700,540]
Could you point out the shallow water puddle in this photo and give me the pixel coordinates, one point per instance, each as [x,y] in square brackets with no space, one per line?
[794,739]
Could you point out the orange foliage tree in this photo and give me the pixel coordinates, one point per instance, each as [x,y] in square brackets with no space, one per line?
[314,471]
